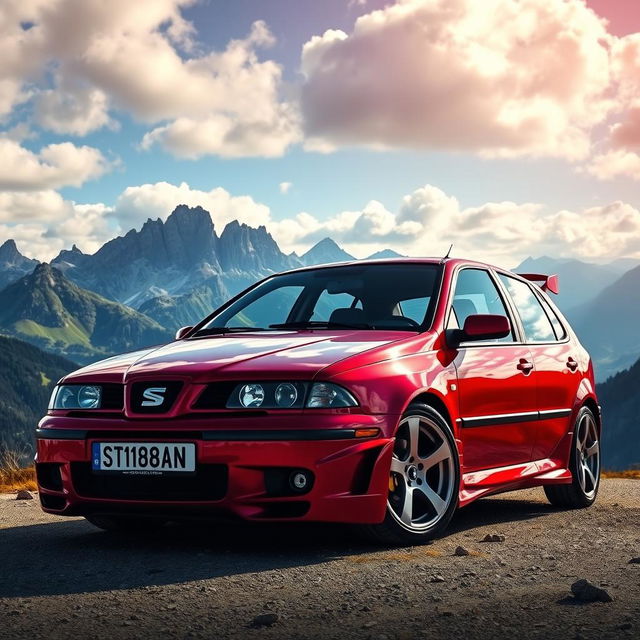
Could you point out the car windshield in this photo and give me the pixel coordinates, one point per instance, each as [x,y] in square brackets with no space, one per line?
[376,297]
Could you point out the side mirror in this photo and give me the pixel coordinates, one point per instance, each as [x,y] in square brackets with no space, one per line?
[182,332]
[480,327]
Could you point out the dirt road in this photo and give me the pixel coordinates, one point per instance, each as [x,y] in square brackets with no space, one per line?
[62,578]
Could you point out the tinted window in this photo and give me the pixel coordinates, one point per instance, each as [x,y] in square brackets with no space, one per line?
[536,323]
[476,293]
[555,321]
[380,296]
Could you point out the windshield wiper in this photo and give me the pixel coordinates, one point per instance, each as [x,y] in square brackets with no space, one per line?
[217,331]
[318,324]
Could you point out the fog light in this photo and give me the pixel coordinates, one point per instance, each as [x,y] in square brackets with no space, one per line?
[299,480]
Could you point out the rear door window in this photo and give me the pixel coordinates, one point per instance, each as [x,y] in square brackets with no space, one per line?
[537,325]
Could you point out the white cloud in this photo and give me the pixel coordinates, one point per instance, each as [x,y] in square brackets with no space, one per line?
[78,111]
[54,166]
[428,221]
[285,187]
[613,164]
[142,58]
[425,223]
[137,204]
[499,77]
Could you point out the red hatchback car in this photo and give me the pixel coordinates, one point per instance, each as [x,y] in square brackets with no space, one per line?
[381,393]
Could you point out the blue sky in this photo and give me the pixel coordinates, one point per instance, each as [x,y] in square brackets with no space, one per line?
[414,186]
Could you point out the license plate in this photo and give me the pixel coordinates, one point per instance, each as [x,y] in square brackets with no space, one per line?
[144,458]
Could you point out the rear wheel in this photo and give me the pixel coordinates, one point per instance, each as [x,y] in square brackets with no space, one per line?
[125,524]
[424,480]
[584,465]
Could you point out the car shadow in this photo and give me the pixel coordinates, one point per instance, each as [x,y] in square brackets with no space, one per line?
[71,556]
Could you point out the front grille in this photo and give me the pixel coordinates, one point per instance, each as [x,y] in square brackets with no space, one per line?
[207,484]
[112,397]
[154,397]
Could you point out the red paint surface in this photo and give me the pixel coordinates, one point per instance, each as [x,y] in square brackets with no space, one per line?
[386,371]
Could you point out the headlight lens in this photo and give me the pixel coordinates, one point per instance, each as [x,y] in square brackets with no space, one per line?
[76,396]
[289,395]
[325,395]
[286,395]
[252,396]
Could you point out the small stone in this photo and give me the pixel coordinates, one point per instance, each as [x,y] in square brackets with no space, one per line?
[461,551]
[586,591]
[369,625]
[436,578]
[625,626]
[23,494]
[493,537]
[635,560]
[265,620]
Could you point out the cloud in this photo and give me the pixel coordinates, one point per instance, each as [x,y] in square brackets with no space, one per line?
[425,223]
[54,166]
[614,164]
[158,200]
[500,77]
[43,223]
[428,221]
[83,60]
[285,187]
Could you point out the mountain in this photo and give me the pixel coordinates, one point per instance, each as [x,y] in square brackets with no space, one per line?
[580,281]
[620,408]
[325,252]
[608,325]
[385,254]
[27,377]
[174,257]
[47,309]
[13,265]
[173,312]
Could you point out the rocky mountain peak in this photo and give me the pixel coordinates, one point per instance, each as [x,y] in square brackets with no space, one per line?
[327,250]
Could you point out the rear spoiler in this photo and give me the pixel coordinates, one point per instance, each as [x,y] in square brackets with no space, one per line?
[549,283]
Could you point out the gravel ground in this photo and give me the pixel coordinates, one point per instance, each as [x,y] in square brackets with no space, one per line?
[62,578]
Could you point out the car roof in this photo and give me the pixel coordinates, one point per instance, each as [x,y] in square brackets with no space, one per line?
[427,260]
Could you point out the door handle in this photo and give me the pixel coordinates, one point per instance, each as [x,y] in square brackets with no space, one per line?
[525,366]
[572,364]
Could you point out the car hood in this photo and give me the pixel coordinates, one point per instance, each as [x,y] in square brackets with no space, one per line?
[300,354]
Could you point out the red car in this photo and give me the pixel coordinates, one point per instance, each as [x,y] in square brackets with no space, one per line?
[383,393]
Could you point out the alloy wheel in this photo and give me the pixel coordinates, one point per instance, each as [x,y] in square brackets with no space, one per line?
[587,455]
[422,477]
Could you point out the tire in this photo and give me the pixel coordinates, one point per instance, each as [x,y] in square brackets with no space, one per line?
[584,464]
[429,468]
[125,524]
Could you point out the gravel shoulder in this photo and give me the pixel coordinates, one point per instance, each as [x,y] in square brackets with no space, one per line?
[62,578]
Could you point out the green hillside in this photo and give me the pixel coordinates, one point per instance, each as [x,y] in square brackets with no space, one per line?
[621,419]
[48,310]
[27,376]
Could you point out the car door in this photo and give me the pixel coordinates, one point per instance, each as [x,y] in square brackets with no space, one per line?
[496,381]
[556,362]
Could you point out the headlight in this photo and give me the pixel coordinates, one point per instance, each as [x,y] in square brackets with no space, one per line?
[252,396]
[325,395]
[289,395]
[76,396]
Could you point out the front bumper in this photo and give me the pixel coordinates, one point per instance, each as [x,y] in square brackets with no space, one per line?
[242,468]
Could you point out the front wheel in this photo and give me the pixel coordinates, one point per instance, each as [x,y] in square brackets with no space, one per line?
[584,465]
[424,480]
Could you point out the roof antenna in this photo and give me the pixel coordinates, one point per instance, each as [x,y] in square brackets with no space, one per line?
[448,253]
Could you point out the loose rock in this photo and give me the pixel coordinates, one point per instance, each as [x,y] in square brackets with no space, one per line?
[23,494]
[586,591]
[635,560]
[461,551]
[493,537]
[265,620]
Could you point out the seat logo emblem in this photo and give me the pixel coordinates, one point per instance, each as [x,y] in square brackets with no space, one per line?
[153,396]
